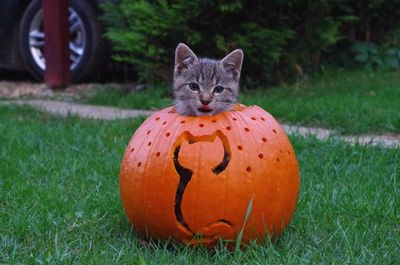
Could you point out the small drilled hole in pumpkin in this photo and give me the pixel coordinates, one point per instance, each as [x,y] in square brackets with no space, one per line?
[240,147]
[261,156]
[182,122]
[274,131]
[201,125]
[158,154]
[148,132]
[214,121]
[277,159]
[149,144]
[248,169]
[133,149]
[139,164]
[253,118]
[164,123]
[247,129]
[228,128]
[262,118]
[289,152]
[157,118]
[234,119]
[167,134]
[264,139]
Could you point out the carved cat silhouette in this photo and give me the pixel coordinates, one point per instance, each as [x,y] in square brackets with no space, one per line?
[213,157]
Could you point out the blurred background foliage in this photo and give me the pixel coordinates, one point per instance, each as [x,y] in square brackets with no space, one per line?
[282,40]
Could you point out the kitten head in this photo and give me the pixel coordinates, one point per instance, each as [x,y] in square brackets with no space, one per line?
[204,86]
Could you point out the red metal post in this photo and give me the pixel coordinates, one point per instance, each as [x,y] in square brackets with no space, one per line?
[56,50]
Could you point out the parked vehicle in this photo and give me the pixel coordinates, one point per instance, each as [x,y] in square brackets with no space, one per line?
[22,37]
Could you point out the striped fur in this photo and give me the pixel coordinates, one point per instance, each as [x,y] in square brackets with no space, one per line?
[207,74]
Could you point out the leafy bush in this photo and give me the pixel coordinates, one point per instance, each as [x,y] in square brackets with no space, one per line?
[280,39]
[385,55]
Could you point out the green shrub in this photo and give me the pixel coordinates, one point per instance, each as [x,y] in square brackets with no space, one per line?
[385,55]
[281,39]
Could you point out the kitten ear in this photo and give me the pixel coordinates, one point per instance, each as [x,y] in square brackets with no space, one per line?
[233,61]
[184,56]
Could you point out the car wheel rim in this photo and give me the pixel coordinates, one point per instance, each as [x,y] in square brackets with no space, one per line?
[77,43]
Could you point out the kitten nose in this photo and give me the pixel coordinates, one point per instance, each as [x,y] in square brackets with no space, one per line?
[205,101]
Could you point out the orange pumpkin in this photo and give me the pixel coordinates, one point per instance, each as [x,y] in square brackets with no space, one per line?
[192,178]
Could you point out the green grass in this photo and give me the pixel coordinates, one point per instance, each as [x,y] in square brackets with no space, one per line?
[59,200]
[349,101]
[151,98]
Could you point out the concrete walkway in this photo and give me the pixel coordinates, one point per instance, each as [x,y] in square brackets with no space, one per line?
[83,111]
[111,113]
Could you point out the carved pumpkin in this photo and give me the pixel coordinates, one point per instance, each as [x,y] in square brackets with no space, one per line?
[192,178]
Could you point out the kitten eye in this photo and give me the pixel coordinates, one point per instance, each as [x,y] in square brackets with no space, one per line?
[194,87]
[219,89]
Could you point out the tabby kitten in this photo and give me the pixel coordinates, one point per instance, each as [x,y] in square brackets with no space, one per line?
[205,86]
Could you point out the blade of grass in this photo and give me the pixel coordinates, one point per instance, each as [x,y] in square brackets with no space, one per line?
[240,235]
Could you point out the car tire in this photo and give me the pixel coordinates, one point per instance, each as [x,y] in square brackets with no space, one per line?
[91,57]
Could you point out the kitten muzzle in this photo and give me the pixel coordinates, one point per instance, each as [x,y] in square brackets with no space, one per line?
[205,109]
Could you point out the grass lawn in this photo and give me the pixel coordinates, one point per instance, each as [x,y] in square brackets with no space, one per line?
[351,102]
[59,200]
[151,98]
